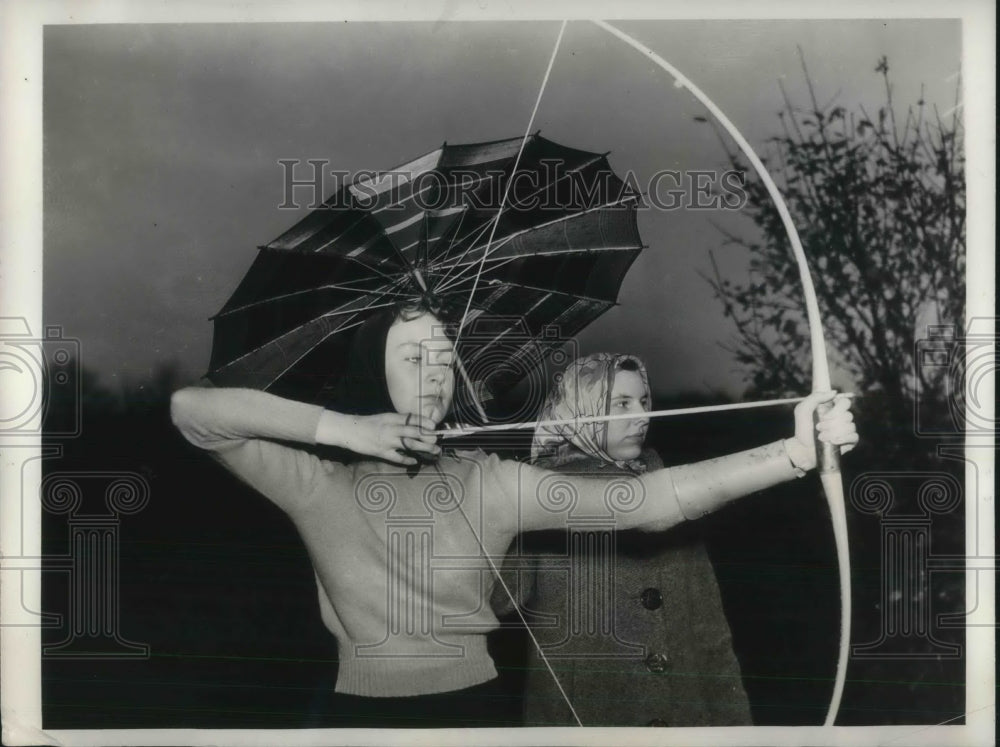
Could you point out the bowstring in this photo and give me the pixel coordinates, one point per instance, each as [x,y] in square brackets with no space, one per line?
[506,192]
[458,333]
[510,594]
[460,430]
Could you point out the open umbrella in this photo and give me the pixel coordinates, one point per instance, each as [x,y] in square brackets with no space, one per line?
[530,238]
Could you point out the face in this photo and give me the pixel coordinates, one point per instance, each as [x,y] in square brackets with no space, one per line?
[626,436]
[419,369]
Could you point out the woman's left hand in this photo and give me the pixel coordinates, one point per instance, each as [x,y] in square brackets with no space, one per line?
[836,426]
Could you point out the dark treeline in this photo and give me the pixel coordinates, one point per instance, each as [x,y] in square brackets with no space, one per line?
[214,579]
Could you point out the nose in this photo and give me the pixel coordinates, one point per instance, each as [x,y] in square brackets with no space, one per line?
[641,423]
[435,374]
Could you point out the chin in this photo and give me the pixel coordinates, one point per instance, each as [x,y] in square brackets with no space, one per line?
[625,454]
[433,412]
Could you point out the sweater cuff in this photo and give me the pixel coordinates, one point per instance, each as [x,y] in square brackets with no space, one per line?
[794,450]
[296,421]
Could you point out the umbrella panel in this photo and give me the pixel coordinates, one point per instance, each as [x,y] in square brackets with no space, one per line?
[559,252]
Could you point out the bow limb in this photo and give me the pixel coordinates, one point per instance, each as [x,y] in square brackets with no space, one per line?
[828,455]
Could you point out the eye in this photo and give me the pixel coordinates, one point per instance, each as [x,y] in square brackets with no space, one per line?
[440,358]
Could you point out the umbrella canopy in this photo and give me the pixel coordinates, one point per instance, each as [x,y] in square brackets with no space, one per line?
[533,242]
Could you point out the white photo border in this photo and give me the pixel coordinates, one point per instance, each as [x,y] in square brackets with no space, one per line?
[21,296]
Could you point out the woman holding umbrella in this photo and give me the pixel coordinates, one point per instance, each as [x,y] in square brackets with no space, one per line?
[404,559]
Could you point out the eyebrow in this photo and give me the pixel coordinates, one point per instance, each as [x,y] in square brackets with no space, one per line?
[430,348]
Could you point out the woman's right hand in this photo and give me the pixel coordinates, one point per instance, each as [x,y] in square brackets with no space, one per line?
[385,436]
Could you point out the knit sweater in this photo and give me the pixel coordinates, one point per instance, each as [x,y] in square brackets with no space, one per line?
[402,579]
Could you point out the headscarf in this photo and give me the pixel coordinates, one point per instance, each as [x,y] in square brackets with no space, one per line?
[583,390]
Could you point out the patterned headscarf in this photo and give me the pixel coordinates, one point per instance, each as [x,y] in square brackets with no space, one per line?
[583,390]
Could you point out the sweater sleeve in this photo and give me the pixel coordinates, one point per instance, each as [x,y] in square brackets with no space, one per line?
[241,428]
[654,501]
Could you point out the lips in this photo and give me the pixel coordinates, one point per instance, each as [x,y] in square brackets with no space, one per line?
[431,402]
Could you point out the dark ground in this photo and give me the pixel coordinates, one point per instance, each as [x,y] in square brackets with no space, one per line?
[214,580]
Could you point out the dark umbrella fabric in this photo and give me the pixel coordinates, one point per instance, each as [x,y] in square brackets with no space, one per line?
[554,262]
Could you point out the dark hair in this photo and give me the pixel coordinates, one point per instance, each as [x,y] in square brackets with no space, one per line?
[446,313]
[361,388]
[627,364]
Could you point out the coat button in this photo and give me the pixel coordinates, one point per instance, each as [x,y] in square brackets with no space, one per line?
[656,663]
[651,598]
[657,722]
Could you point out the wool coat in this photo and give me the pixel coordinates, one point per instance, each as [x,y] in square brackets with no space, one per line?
[631,622]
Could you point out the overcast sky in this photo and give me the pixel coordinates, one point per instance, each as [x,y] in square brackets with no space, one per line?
[161,149]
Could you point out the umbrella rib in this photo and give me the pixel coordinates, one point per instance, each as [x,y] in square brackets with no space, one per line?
[561,219]
[445,288]
[339,312]
[550,253]
[519,286]
[292,294]
[517,161]
[341,328]
[310,252]
[458,228]
[403,200]
[397,227]
[394,169]
[417,242]
[382,209]
[365,213]
[493,341]
[408,266]
[565,174]
[487,249]
[474,235]
[478,232]
[360,250]
[341,235]
[464,274]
